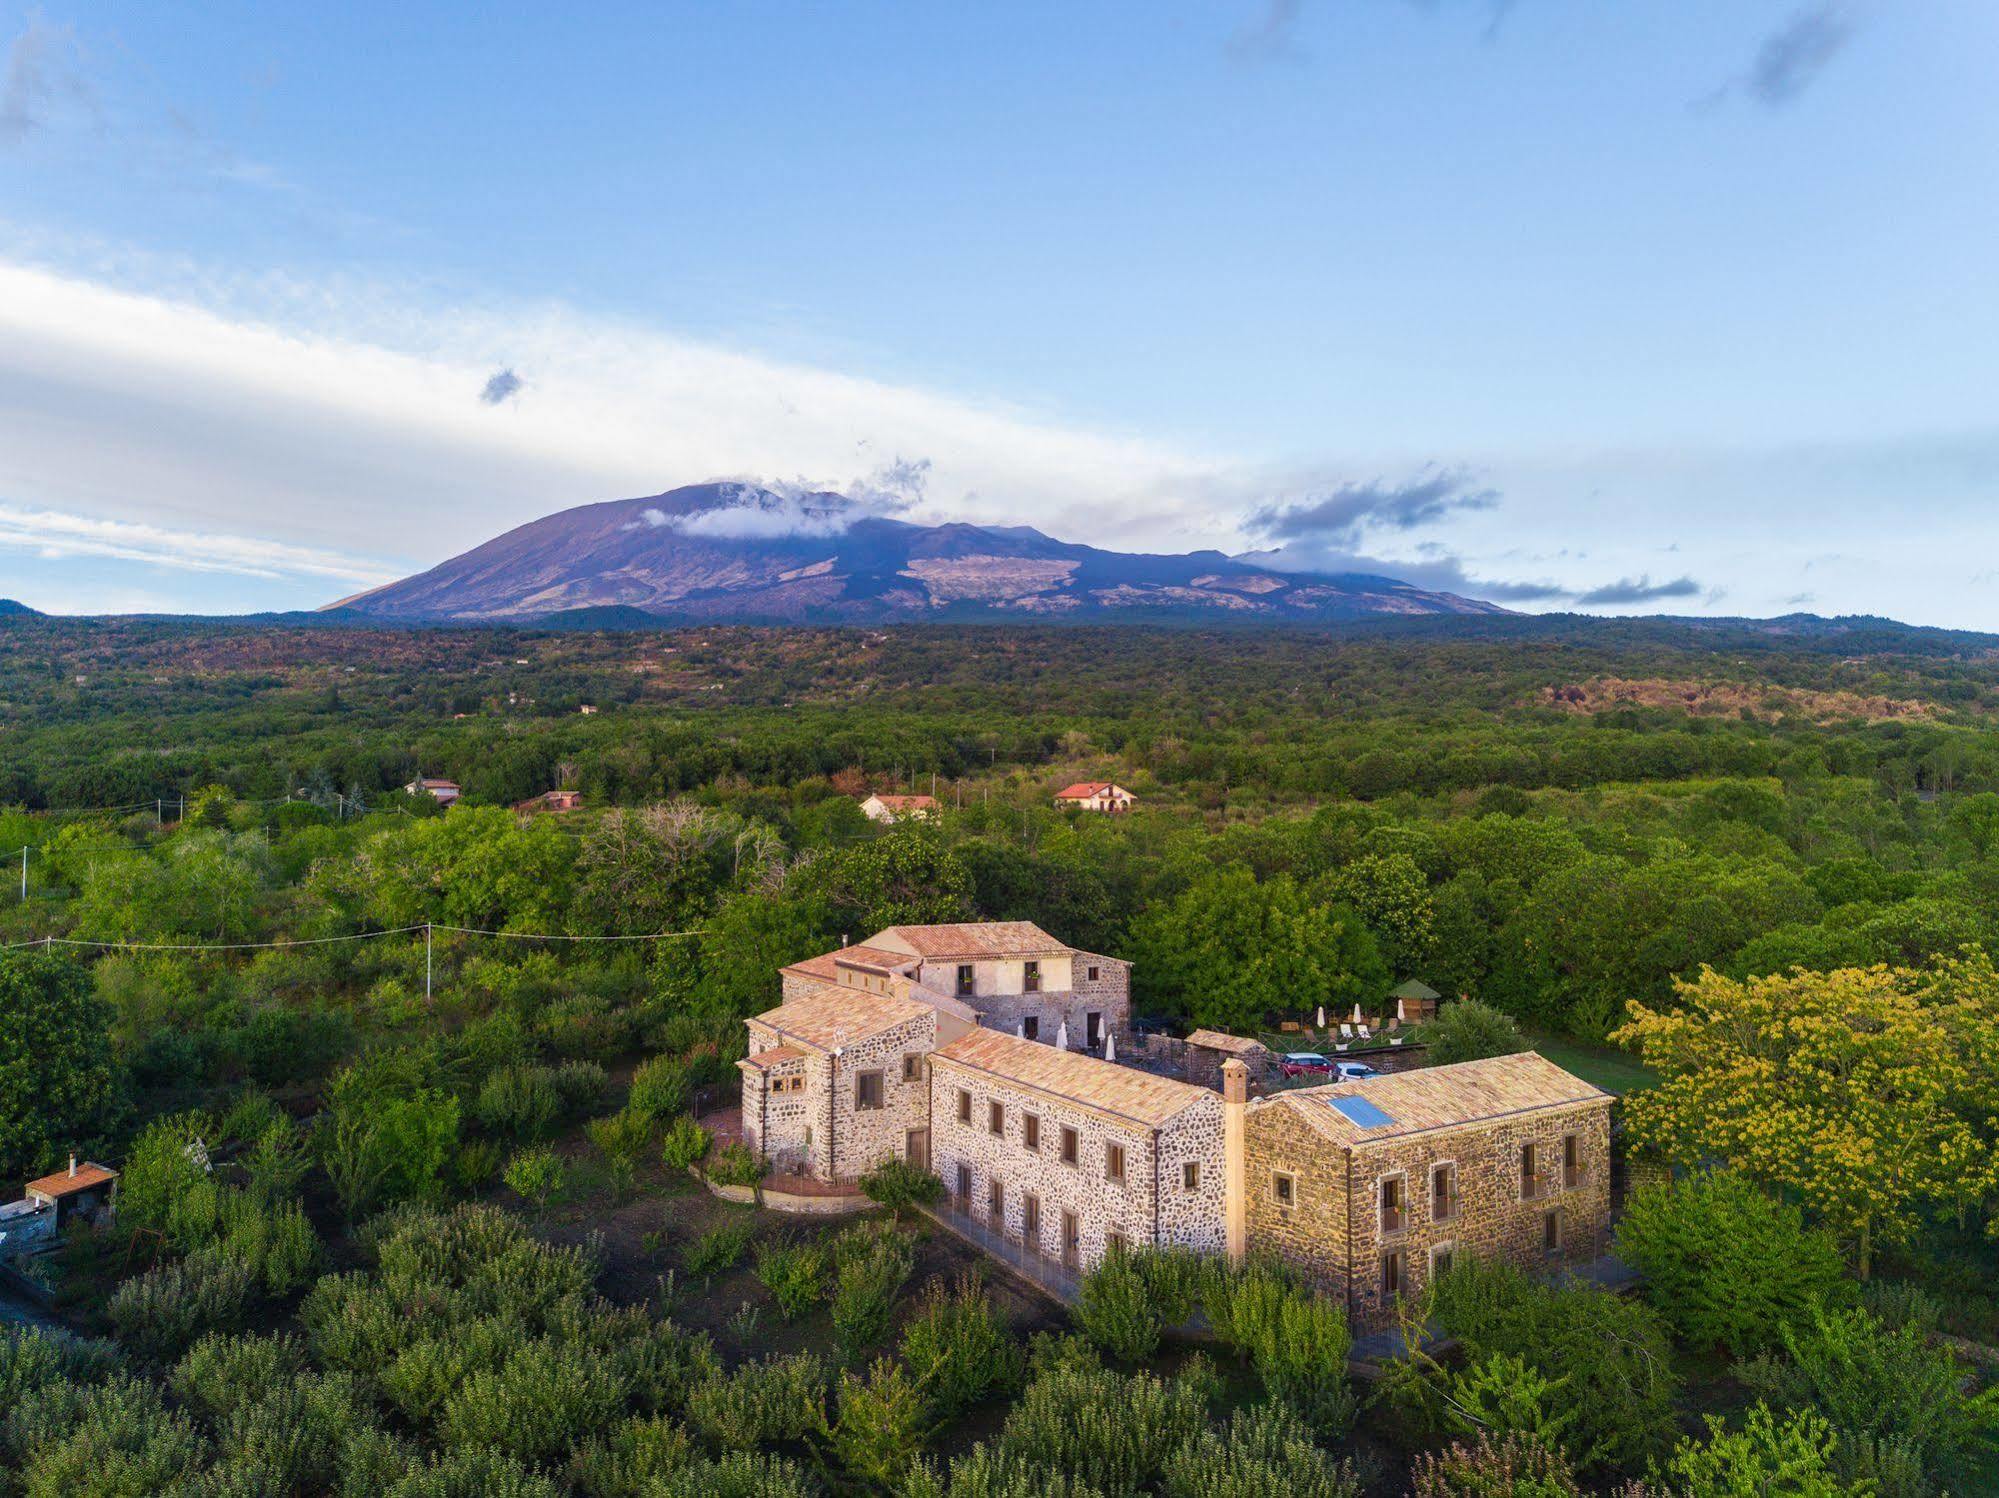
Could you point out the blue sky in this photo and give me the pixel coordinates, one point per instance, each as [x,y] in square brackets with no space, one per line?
[1681,306]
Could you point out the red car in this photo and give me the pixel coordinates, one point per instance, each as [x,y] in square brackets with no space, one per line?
[1306,1064]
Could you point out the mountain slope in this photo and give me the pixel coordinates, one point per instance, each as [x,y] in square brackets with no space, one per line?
[728,551]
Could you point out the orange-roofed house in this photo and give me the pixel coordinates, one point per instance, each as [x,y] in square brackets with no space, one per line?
[443,792]
[893,808]
[1095,795]
[82,1190]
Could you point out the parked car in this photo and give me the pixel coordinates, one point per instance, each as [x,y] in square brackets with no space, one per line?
[1306,1064]
[1354,1071]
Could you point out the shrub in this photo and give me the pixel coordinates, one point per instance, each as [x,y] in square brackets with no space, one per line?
[580,1085]
[659,1089]
[1105,1431]
[900,1186]
[622,1137]
[289,1439]
[542,1401]
[1763,1457]
[535,1175]
[32,1359]
[248,1117]
[1266,1452]
[794,1273]
[220,1373]
[277,1161]
[160,1313]
[1885,1384]
[718,1249]
[115,1437]
[779,1399]
[870,1265]
[738,1474]
[1115,1309]
[1614,1354]
[1300,1353]
[1513,1466]
[958,1350]
[472,1472]
[632,1460]
[519,1102]
[879,1425]
[276,1242]
[1726,1264]
[686,1144]
[736,1165]
[1469,1030]
[163,1187]
[1500,1395]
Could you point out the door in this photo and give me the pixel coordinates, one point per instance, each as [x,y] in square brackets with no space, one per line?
[998,1205]
[1093,1024]
[1030,1222]
[916,1148]
[1072,1241]
[964,1188]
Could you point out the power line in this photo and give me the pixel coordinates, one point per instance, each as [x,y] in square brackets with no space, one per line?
[426,927]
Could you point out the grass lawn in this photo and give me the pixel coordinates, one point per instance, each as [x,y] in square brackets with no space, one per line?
[1603,1066]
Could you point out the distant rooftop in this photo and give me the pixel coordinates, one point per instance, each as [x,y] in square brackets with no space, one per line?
[1100,1086]
[832,1017]
[1399,1104]
[971,939]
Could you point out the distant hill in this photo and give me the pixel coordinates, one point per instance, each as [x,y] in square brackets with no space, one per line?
[731,552]
[9,609]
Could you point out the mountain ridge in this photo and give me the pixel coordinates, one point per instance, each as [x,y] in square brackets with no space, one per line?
[730,552]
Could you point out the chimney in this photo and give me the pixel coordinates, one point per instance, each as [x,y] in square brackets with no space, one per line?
[72,1165]
[1235,1160]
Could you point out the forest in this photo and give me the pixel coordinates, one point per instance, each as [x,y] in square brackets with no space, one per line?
[439,1235]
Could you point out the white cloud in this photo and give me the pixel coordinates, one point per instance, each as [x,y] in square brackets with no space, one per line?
[56,536]
[336,418]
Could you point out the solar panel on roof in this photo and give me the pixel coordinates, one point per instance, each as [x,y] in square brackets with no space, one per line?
[1359,1112]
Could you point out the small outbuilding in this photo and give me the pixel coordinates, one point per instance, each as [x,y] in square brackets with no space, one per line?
[892,808]
[85,1189]
[443,792]
[1208,1049]
[1415,1002]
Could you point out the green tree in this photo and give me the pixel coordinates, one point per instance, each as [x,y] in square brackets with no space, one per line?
[57,1084]
[1468,1030]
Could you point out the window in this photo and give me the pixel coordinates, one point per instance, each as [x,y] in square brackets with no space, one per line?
[995,1118]
[1394,1213]
[1572,1160]
[1440,1259]
[1443,1192]
[1071,1146]
[1030,1221]
[965,1187]
[1031,977]
[964,977]
[1093,974]
[1115,1242]
[1530,1176]
[1394,1273]
[1551,1230]
[912,1068]
[1114,1162]
[1284,1188]
[1030,1028]
[1190,1175]
[964,1106]
[996,1201]
[868,1090]
[1030,1131]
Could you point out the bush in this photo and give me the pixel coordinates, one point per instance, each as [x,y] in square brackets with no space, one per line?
[686,1145]
[870,1265]
[1500,1395]
[1266,1452]
[779,1399]
[718,1249]
[1116,1311]
[632,1460]
[542,1401]
[276,1242]
[879,1425]
[958,1350]
[33,1359]
[1105,1431]
[161,1313]
[659,1089]
[535,1175]
[1513,1466]
[115,1437]
[736,1165]
[621,1138]
[1614,1355]
[1468,1030]
[899,1186]
[1887,1385]
[1301,1356]
[1726,1264]
[472,1472]
[1763,1457]
[519,1102]
[794,1273]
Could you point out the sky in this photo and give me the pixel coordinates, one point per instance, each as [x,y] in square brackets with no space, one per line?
[1661,306]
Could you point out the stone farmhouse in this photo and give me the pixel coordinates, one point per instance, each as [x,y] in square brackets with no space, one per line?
[975,1051]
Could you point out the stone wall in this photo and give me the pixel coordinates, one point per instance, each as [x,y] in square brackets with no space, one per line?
[1193,1218]
[822,1131]
[1336,1231]
[1108,994]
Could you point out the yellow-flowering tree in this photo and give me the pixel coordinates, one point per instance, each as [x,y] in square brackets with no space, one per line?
[1867,1092]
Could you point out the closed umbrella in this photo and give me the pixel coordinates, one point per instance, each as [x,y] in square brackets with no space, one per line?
[1322,1018]
[1356,1014]
[1110,1045]
[1022,1030]
[1062,1036]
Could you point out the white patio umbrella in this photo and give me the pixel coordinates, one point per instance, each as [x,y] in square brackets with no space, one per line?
[1322,1018]
[1062,1036]
[1110,1045]
[1021,1031]
[1356,1014]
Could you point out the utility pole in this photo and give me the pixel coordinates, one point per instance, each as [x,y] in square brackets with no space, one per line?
[426,962]
[24,873]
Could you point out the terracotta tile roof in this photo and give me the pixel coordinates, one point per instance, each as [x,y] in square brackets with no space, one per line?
[826,965]
[772,1057]
[1082,790]
[835,1016]
[63,1183]
[972,939]
[1439,1097]
[1099,1086]
[1217,1040]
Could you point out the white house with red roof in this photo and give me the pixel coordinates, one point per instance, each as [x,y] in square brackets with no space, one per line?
[1096,795]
